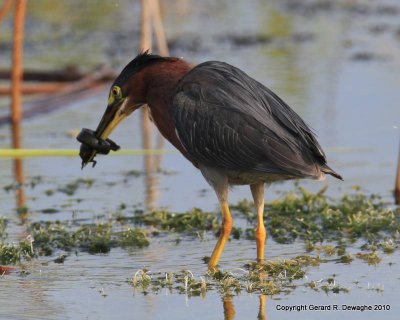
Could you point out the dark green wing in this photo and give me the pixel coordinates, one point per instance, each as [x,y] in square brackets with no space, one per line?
[228,120]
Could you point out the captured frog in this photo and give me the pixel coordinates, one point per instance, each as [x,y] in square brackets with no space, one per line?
[91,145]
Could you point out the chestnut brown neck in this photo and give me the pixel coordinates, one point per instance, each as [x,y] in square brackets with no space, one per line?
[161,80]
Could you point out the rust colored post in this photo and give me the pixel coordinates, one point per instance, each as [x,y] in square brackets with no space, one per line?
[145,25]
[159,28]
[35,88]
[5,8]
[16,79]
[151,17]
[163,50]
[146,44]
[397,183]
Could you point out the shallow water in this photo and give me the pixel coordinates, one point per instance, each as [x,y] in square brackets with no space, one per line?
[310,59]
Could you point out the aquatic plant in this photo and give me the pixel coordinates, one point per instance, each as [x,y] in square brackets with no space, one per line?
[71,187]
[327,285]
[3,224]
[270,278]
[188,222]
[9,254]
[326,225]
[13,253]
[133,238]
[371,258]
[316,217]
[93,238]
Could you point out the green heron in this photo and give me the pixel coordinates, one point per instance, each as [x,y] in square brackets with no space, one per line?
[231,127]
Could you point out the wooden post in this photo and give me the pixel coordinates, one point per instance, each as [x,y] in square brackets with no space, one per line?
[397,183]
[145,26]
[159,28]
[151,16]
[146,44]
[16,79]
[163,50]
[147,132]
[5,8]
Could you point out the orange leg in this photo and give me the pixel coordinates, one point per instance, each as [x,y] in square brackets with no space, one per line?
[258,195]
[229,308]
[262,313]
[261,235]
[227,223]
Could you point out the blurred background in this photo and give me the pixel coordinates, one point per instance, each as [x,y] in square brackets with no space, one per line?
[335,62]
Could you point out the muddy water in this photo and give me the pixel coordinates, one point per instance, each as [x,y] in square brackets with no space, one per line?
[336,64]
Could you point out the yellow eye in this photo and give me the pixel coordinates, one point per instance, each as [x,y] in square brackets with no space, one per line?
[115,95]
[116,92]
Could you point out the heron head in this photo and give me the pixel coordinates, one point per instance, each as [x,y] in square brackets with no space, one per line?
[127,94]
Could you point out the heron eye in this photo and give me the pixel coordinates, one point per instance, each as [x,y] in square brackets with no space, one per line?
[116,92]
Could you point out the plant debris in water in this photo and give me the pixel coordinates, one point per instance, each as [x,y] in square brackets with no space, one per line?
[371,258]
[70,188]
[45,237]
[270,278]
[11,254]
[189,222]
[3,224]
[311,217]
[93,238]
[317,218]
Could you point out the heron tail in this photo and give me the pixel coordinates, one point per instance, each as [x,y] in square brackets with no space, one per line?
[326,169]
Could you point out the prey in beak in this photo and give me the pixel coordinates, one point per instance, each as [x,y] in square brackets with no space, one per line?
[91,145]
[97,141]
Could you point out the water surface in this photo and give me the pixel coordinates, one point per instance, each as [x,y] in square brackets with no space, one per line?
[309,55]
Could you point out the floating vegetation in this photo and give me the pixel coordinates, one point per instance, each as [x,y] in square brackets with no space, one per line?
[3,224]
[49,210]
[184,282]
[387,246]
[133,238]
[327,285]
[32,182]
[93,238]
[290,268]
[11,254]
[270,278]
[327,226]
[134,173]
[317,218]
[371,258]
[137,173]
[70,188]
[188,222]
[328,250]
[348,258]
[141,278]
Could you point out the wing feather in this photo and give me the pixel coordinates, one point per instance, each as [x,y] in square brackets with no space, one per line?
[226,119]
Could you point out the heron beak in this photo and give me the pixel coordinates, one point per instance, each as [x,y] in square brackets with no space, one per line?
[112,117]
[117,110]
